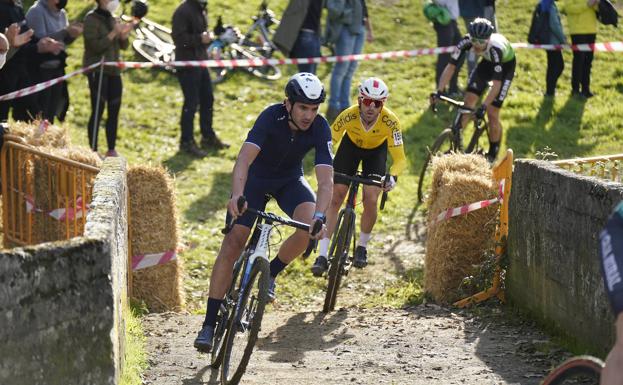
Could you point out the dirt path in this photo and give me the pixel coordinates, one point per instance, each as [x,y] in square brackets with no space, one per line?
[426,344]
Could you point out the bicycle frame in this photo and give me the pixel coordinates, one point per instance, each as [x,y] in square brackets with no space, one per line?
[480,125]
[261,22]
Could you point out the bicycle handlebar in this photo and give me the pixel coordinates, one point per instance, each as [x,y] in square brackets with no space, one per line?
[449,100]
[366,181]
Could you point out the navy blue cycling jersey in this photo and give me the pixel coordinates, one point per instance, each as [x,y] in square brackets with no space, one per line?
[282,149]
[612,258]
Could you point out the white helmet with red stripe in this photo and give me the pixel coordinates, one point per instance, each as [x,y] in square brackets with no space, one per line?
[373,88]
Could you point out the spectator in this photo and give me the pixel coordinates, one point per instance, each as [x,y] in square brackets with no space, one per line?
[582,23]
[555,62]
[14,75]
[11,41]
[489,14]
[298,35]
[48,18]
[469,11]
[191,40]
[447,35]
[347,27]
[4,49]
[104,37]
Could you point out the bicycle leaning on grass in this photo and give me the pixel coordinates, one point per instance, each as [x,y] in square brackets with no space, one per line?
[340,261]
[576,370]
[451,138]
[240,316]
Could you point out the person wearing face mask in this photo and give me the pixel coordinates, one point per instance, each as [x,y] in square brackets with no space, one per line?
[15,74]
[48,18]
[189,33]
[104,37]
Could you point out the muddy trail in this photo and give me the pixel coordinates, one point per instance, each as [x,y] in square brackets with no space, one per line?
[424,344]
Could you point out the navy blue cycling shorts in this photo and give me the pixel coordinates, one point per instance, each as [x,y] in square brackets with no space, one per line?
[288,192]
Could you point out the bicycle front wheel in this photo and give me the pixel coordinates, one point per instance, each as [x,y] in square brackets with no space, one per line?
[576,370]
[337,257]
[442,144]
[246,322]
[224,318]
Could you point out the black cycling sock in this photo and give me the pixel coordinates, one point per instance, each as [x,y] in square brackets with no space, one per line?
[276,265]
[212,311]
[494,148]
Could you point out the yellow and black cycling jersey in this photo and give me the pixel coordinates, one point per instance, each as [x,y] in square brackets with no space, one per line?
[386,128]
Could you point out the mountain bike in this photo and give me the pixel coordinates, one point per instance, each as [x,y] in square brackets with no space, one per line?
[450,139]
[240,316]
[340,261]
[152,41]
[230,44]
[576,370]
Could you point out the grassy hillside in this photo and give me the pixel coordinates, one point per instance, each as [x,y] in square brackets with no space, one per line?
[149,119]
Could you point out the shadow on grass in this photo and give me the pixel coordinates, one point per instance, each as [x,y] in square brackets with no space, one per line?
[562,136]
[289,344]
[215,199]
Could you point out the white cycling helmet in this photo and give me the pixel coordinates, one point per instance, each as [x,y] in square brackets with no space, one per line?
[305,87]
[373,88]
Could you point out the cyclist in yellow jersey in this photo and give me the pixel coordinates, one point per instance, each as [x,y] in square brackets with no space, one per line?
[366,132]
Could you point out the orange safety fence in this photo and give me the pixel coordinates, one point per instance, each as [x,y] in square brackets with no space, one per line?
[502,171]
[606,167]
[44,197]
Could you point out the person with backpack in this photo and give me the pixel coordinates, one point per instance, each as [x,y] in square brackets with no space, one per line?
[555,62]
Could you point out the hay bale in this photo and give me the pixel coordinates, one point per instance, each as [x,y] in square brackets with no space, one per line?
[455,246]
[56,190]
[153,229]
[38,134]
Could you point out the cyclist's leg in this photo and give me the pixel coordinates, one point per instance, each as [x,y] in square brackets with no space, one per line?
[477,83]
[493,111]
[297,199]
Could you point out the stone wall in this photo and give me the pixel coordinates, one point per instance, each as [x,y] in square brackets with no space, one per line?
[553,248]
[61,303]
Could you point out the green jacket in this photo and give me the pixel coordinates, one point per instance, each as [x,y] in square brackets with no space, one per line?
[290,26]
[344,14]
[97,25]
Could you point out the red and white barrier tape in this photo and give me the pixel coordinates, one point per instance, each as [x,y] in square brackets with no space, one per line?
[597,47]
[60,214]
[468,208]
[142,261]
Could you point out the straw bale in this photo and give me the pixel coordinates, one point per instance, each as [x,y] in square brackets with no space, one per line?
[54,189]
[153,229]
[53,136]
[456,246]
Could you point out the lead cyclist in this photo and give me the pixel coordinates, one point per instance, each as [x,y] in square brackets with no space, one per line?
[497,65]
[612,268]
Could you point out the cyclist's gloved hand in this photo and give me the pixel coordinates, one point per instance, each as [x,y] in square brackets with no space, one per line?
[389,183]
[318,221]
[481,111]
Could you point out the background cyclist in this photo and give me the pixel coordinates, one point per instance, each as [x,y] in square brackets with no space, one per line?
[371,130]
[270,162]
[612,264]
[497,65]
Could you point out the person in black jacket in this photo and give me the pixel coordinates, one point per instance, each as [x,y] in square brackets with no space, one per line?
[14,75]
[191,40]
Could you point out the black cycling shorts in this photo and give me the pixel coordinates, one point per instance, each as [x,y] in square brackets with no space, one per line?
[349,156]
[288,192]
[483,74]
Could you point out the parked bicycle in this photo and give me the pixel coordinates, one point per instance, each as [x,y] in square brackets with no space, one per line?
[239,318]
[230,44]
[151,40]
[451,140]
[340,260]
[576,370]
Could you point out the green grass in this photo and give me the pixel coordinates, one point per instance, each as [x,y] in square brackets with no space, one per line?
[149,123]
[135,356]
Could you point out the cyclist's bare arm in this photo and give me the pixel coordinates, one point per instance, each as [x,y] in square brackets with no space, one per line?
[246,156]
[324,176]
[446,75]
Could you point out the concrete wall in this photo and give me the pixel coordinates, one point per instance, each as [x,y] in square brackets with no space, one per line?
[61,303]
[553,249]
